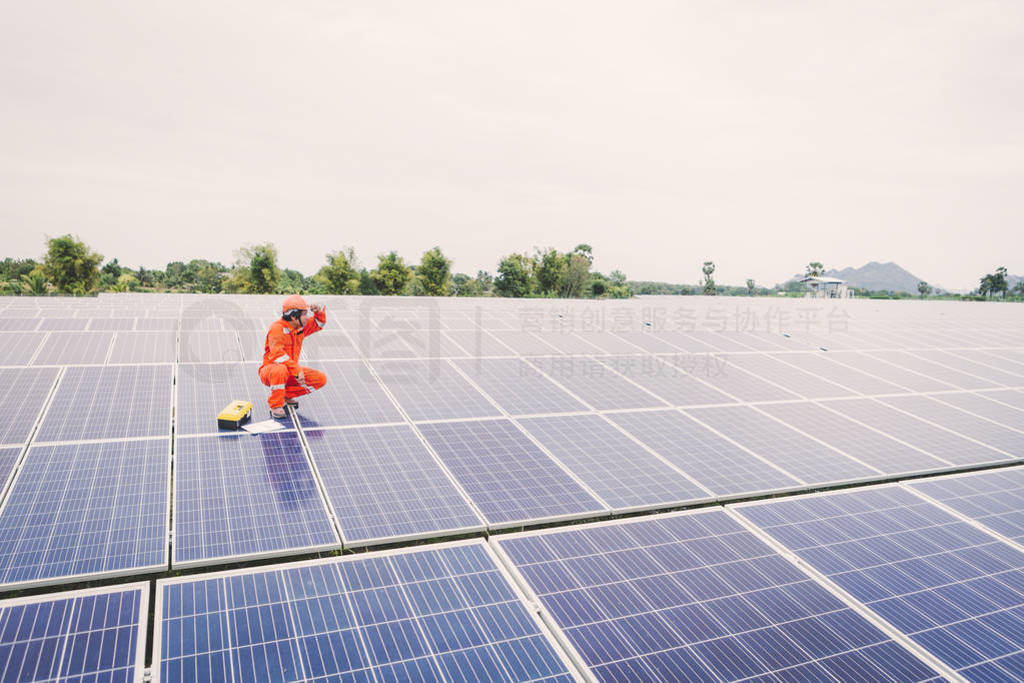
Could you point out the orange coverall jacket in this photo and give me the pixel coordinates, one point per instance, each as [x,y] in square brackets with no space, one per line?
[284,344]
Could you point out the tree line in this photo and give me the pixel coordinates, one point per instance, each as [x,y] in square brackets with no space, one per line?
[71,267]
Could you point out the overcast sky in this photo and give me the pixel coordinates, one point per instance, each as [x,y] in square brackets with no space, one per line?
[761,134]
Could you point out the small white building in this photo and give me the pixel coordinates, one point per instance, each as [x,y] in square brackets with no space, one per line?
[826,287]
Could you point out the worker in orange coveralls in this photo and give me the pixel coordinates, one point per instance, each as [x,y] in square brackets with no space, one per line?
[281,370]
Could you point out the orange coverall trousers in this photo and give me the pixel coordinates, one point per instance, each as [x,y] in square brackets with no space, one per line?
[284,385]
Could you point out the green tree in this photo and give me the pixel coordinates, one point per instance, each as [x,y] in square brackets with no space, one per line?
[585,251]
[126,282]
[709,282]
[576,280]
[71,266]
[435,272]
[205,276]
[815,269]
[751,285]
[34,282]
[340,275]
[994,283]
[513,277]
[391,274]
[550,270]
[367,285]
[255,270]
[924,288]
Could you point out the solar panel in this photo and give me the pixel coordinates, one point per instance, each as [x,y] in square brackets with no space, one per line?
[856,440]
[1007,440]
[695,596]
[569,343]
[996,499]
[669,381]
[510,480]
[820,364]
[478,343]
[608,342]
[431,344]
[25,390]
[797,454]
[351,396]
[8,460]
[203,389]
[955,590]
[909,360]
[718,371]
[518,387]
[385,486]
[913,381]
[941,443]
[112,324]
[247,496]
[74,348]
[205,346]
[109,402]
[525,343]
[442,613]
[432,390]
[157,324]
[47,324]
[144,347]
[19,324]
[649,341]
[988,405]
[382,343]
[16,349]
[716,463]
[96,634]
[623,473]
[792,378]
[595,383]
[964,361]
[86,510]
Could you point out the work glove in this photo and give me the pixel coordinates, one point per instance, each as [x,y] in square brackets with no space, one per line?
[301,378]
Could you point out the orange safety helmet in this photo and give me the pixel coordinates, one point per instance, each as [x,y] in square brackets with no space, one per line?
[293,306]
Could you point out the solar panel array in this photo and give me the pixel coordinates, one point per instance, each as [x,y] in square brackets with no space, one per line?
[450,417]
[91,635]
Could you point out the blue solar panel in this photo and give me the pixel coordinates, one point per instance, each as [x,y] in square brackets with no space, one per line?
[801,456]
[94,635]
[1010,441]
[508,478]
[954,589]
[444,613]
[996,499]
[695,596]
[432,390]
[80,510]
[619,470]
[351,396]
[204,389]
[856,440]
[384,485]
[718,464]
[518,387]
[24,391]
[208,346]
[246,496]
[74,348]
[596,383]
[110,402]
[8,459]
[144,347]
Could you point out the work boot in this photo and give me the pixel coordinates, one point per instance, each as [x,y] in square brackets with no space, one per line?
[292,402]
[278,413]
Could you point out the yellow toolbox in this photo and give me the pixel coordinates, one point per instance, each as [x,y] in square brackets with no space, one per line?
[235,415]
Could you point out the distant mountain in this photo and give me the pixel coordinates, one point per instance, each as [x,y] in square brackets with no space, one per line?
[874,275]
